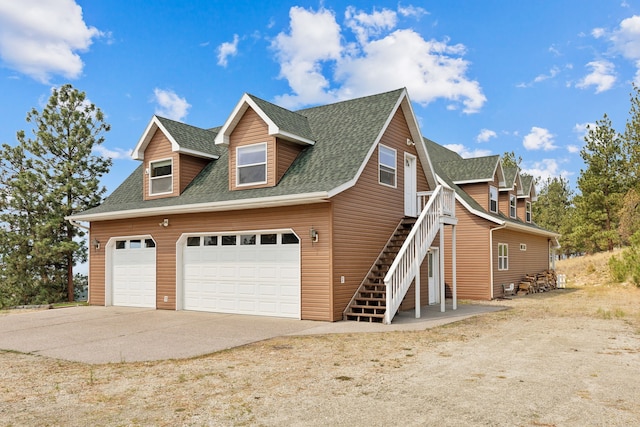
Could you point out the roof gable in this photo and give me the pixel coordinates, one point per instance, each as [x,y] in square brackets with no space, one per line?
[281,122]
[184,139]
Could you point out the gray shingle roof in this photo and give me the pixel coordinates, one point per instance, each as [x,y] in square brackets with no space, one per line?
[190,137]
[288,121]
[473,169]
[510,173]
[344,133]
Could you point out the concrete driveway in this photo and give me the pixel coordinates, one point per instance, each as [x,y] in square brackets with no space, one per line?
[92,334]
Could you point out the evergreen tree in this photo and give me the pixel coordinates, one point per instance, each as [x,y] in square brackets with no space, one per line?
[551,209]
[601,187]
[44,179]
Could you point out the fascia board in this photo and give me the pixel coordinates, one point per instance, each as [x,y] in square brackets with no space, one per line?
[472,181]
[196,153]
[418,140]
[231,205]
[294,138]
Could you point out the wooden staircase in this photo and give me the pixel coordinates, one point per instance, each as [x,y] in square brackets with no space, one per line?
[370,300]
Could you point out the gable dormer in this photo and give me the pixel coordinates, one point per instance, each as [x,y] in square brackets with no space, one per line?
[263,141]
[527,197]
[480,177]
[173,154]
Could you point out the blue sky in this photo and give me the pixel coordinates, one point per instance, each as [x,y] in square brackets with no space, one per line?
[485,76]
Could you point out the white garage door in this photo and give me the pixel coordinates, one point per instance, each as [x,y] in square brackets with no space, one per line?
[250,273]
[134,273]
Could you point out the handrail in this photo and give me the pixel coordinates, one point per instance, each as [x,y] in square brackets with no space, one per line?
[403,270]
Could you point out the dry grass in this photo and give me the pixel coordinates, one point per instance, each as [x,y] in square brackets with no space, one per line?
[557,358]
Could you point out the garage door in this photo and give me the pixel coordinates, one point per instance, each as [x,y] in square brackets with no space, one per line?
[134,273]
[245,273]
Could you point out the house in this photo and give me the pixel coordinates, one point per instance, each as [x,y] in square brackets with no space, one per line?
[325,213]
[499,242]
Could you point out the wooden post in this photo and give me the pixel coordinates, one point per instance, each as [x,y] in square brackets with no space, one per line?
[443,298]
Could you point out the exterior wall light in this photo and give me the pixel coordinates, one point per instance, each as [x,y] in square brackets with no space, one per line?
[164,223]
[95,243]
[313,233]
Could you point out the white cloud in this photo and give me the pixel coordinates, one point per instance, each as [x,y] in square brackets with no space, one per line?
[43,38]
[602,76]
[227,49]
[414,11]
[320,65]
[170,105]
[485,135]
[539,139]
[546,168]
[573,149]
[116,154]
[598,33]
[466,152]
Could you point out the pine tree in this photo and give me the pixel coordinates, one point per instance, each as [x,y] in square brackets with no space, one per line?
[46,178]
[551,209]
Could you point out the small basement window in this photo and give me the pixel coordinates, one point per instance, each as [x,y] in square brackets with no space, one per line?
[161,177]
[387,166]
[251,164]
[523,246]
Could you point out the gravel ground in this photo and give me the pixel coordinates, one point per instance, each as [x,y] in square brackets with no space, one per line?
[564,358]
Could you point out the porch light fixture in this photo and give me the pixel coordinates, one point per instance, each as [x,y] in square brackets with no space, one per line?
[410,142]
[95,243]
[164,223]
[313,233]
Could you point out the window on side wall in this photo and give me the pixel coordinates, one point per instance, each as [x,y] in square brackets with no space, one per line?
[251,164]
[528,211]
[161,177]
[503,256]
[387,166]
[512,205]
[493,199]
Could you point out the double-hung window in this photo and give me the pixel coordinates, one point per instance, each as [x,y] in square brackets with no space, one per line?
[528,211]
[251,164]
[503,256]
[387,166]
[493,199]
[161,177]
[512,205]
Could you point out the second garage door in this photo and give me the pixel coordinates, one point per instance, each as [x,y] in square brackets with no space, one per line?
[245,273]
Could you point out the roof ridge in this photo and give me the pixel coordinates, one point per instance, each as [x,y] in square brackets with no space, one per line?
[375,95]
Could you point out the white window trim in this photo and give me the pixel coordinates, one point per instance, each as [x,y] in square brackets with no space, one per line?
[527,213]
[513,206]
[251,164]
[503,260]
[523,247]
[495,189]
[151,177]
[395,167]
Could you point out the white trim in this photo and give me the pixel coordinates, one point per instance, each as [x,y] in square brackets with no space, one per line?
[473,181]
[395,166]
[108,265]
[491,187]
[149,176]
[238,148]
[505,258]
[149,132]
[514,207]
[245,103]
[228,205]
[410,198]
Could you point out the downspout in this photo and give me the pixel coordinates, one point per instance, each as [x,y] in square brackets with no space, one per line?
[491,255]
[77,224]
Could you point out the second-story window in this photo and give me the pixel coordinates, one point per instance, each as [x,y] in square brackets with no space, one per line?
[251,165]
[387,166]
[493,199]
[528,211]
[161,177]
[512,206]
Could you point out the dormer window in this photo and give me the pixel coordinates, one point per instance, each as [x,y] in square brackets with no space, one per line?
[493,199]
[512,206]
[528,211]
[251,164]
[161,177]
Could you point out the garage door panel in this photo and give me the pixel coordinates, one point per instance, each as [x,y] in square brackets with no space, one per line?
[247,279]
[133,280]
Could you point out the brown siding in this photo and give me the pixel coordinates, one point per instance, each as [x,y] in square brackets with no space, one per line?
[315,257]
[472,256]
[286,153]
[365,216]
[251,129]
[503,202]
[159,148]
[479,192]
[534,260]
[190,167]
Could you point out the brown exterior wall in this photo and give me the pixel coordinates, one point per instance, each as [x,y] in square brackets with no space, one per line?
[286,153]
[534,260]
[251,129]
[159,148]
[479,192]
[315,257]
[472,256]
[503,202]
[366,215]
[190,167]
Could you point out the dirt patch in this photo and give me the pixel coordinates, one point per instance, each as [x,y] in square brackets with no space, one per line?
[568,357]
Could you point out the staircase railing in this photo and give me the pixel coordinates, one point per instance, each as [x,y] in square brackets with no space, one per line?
[415,248]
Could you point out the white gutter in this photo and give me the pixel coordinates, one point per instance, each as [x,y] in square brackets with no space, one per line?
[229,205]
[491,255]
